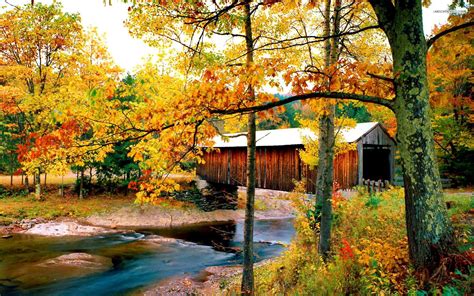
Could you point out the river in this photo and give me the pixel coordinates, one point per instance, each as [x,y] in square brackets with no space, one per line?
[136,259]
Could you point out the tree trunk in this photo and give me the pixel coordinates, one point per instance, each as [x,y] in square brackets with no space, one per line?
[90,176]
[62,186]
[38,184]
[247,276]
[45,176]
[81,185]
[324,180]
[428,227]
[27,183]
[11,180]
[325,172]
[247,287]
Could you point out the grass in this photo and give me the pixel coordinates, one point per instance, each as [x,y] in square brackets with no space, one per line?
[459,202]
[19,205]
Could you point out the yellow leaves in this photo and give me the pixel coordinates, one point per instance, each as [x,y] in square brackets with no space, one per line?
[378,239]
[384,264]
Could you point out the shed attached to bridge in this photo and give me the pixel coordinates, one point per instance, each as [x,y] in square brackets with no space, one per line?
[278,161]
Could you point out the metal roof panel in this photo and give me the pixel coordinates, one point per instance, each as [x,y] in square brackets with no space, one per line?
[289,136]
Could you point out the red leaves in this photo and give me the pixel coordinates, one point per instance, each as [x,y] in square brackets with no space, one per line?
[133,185]
[37,146]
[208,76]
[346,251]
[270,2]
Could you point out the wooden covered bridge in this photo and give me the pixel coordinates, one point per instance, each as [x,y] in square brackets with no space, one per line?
[278,161]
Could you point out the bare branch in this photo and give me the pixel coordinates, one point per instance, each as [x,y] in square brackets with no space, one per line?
[313,95]
[433,39]
[381,77]
[6,1]
[314,39]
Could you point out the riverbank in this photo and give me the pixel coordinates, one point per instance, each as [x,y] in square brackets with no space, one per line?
[71,216]
[211,281]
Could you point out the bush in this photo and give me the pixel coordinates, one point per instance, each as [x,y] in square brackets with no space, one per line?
[14,192]
[4,192]
[370,251]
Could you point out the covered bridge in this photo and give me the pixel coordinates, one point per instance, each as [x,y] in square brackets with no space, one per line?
[278,161]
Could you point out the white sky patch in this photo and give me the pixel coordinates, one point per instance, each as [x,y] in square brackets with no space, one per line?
[129,52]
[435,14]
[126,51]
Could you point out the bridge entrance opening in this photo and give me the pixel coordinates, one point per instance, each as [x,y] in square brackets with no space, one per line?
[376,164]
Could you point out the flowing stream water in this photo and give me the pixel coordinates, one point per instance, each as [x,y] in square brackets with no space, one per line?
[129,261]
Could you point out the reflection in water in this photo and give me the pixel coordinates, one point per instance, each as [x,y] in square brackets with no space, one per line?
[136,259]
[219,235]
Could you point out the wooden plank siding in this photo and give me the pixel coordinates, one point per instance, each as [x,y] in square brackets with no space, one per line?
[276,168]
[377,136]
[345,169]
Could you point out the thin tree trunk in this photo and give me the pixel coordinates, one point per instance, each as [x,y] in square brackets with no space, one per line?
[428,227]
[45,176]
[90,180]
[62,186]
[38,184]
[325,171]
[27,183]
[247,287]
[11,180]
[22,179]
[81,185]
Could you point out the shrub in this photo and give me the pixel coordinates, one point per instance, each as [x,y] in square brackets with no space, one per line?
[369,247]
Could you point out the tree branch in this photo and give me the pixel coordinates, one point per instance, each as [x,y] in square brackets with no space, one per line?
[307,40]
[433,39]
[381,77]
[385,11]
[314,95]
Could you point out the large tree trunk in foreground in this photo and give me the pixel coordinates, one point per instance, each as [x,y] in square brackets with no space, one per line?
[247,287]
[428,226]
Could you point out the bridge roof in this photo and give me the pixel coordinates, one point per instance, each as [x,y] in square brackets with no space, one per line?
[289,136]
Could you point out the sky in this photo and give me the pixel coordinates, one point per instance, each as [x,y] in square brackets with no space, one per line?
[129,52]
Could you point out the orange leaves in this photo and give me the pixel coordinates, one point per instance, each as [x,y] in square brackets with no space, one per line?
[227,88]
[47,146]
[450,79]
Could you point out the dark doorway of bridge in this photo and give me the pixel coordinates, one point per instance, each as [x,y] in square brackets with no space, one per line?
[376,164]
